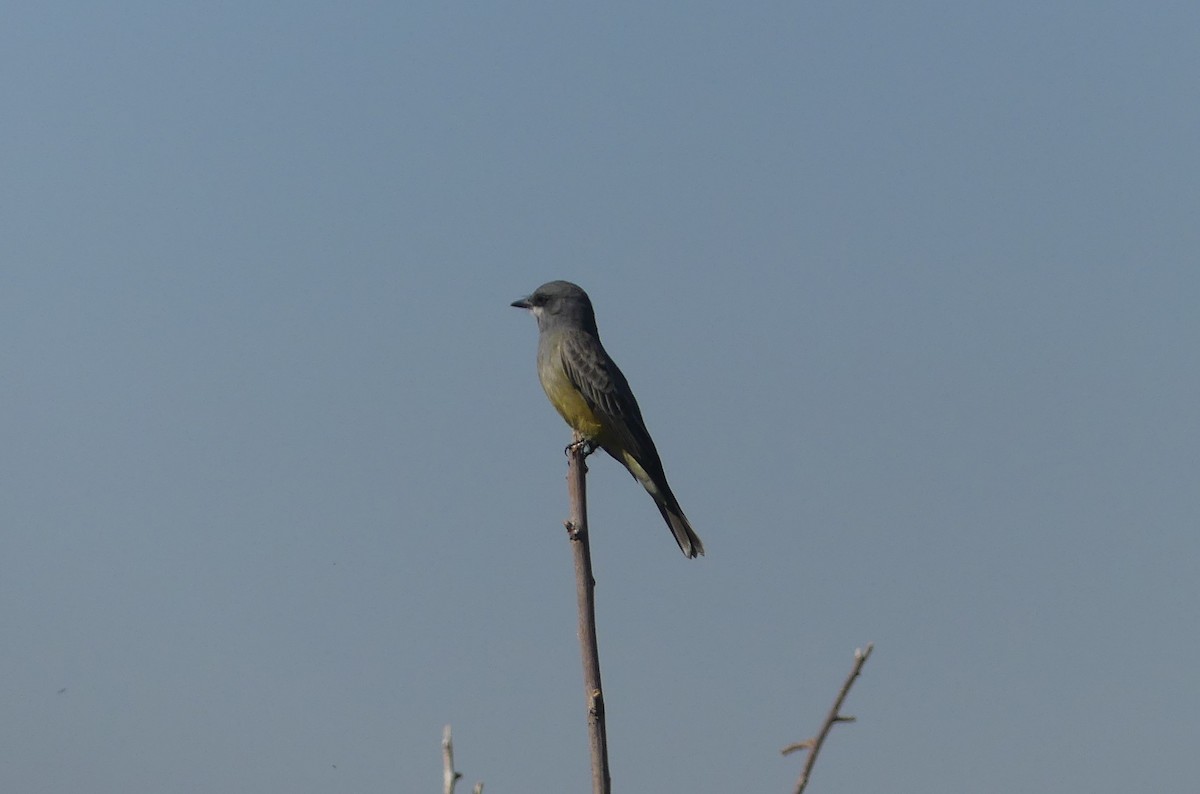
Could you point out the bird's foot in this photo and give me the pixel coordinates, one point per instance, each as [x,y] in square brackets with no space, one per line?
[586,447]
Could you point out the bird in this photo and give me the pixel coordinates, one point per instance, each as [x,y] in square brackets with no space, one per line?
[590,392]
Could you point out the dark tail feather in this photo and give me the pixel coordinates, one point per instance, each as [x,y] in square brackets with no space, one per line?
[660,492]
[689,542]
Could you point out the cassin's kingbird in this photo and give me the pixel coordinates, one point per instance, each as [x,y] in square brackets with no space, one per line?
[588,389]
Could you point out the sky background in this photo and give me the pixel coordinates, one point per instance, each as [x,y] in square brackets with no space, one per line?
[908,294]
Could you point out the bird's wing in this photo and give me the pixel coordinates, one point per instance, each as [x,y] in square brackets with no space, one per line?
[606,392]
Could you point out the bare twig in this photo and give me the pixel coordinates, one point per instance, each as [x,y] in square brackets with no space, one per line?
[478,788]
[449,776]
[585,585]
[835,716]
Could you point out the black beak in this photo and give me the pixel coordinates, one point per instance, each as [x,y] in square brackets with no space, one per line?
[523,303]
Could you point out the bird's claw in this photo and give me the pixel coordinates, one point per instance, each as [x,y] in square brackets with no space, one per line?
[586,446]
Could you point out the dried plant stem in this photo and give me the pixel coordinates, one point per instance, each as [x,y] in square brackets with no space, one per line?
[835,716]
[585,584]
[449,776]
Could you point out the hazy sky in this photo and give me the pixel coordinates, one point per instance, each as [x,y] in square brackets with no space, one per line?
[908,293]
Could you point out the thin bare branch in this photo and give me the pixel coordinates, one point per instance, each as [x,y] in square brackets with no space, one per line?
[835,716]
[450,776]
[804,745]
[585,584]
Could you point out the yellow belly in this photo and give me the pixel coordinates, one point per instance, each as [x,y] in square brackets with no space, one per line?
[570,404]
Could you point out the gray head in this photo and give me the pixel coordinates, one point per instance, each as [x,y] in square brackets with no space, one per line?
[560,304]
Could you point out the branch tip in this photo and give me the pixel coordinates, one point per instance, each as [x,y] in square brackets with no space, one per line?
[834,716]
[807,744]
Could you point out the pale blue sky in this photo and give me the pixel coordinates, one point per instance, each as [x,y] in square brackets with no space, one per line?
[908,294]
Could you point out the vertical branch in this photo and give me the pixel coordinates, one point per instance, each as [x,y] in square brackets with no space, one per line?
[449,776]
[585,585]
[835,716]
